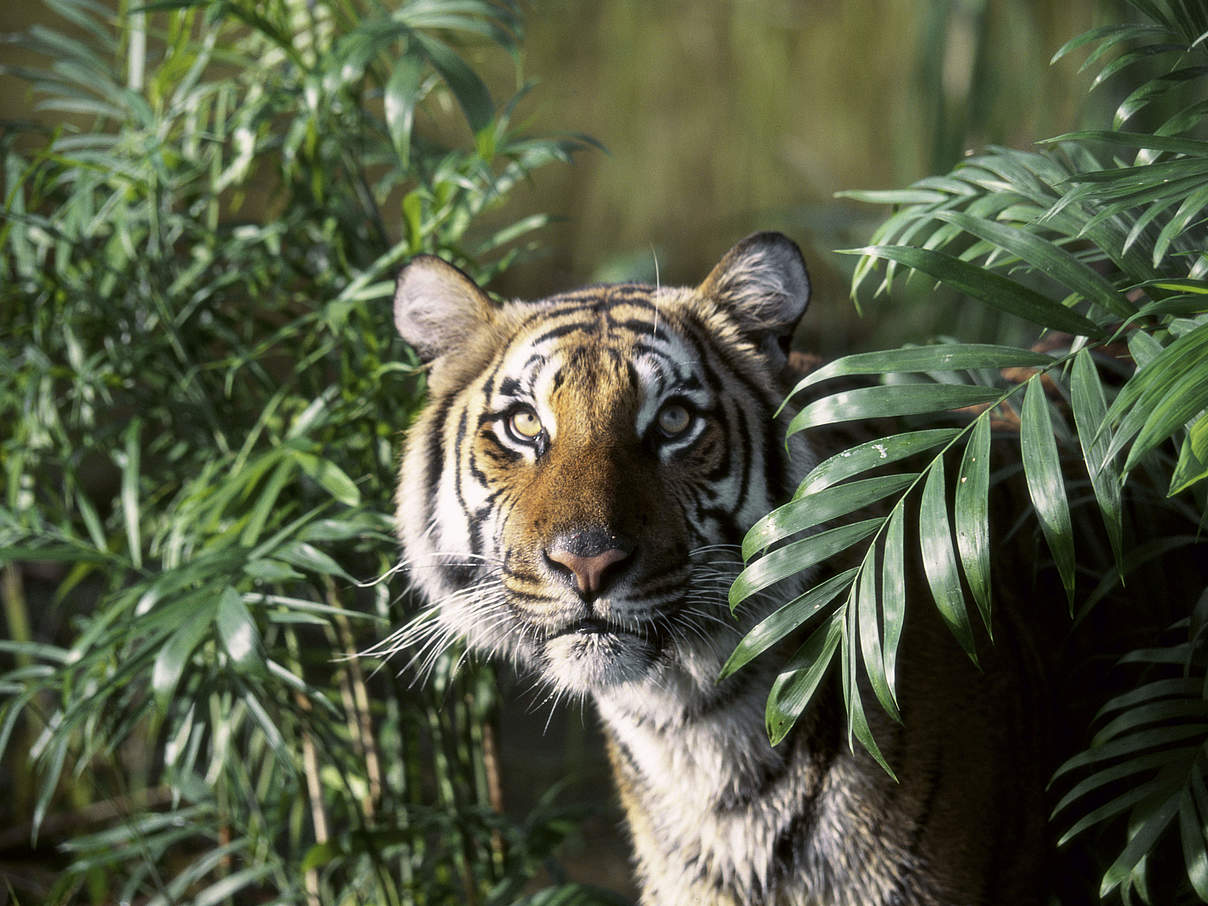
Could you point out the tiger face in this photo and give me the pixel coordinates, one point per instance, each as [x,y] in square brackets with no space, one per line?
[574,492]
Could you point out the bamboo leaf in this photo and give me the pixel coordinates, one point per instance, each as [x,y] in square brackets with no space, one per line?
[1042,469]
[857,721]
[971,506]
[1157,818]
[402,94]
[334,479]
[130,503]
[939,560]
[467,87]
[174,656]
[1195,846]
[238,632]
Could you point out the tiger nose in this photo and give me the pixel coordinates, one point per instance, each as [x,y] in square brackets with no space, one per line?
[588,556]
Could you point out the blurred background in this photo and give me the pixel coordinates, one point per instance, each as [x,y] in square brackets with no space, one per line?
[716,119]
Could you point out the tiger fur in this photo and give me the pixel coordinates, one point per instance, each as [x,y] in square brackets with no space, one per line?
[572,499]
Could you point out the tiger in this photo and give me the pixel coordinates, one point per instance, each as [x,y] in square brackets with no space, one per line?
[572,499]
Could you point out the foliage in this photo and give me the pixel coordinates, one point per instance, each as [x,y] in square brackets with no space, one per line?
[1101,236]
[201,396]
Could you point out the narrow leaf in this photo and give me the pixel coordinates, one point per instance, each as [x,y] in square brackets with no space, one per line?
[939,560]
[1090,415]
[814,509]
[869,631]
[890,401]
[922,359]
[801,677]
[1042,469]
[971,506]
[174,656]
[130,503]
[238,632]
[785,620]
[797,557]
[871,454]
[993,289]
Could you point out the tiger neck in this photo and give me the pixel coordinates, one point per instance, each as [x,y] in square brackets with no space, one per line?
[710,737]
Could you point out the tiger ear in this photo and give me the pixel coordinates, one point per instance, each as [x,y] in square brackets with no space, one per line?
[762,283]
[436,306]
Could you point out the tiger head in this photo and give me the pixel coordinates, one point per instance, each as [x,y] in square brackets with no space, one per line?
[574,492]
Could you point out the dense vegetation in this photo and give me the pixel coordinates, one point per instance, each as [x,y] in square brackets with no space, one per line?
[201,397]
[1098,239]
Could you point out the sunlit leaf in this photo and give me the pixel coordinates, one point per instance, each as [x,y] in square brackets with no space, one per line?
[238,632]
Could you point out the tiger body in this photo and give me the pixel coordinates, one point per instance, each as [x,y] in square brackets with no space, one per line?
[572,500]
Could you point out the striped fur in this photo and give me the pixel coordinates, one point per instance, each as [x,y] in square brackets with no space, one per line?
[717,816]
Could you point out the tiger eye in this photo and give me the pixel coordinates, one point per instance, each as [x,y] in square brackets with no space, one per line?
[674,419]
[525,424]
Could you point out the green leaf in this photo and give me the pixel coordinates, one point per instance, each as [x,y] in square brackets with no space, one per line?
[785,620]
[893,591]
[465,84]
[1192,465]
[1189,209]
[890,401]
[238,632]
[1090,415]
[334,479]
[1042,469]
[402,94]
[986,286]
[939,560]
[1167,391]
[573,895]
[938,357]
[1195,846]
[1157,817]
[971,506]
[870,455]
[797,557]
[802,675]
[1047,258]
[130,502]
[174,656]
[857,721]
[863,604]
[814,509]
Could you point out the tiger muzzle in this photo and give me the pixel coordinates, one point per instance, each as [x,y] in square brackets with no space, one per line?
[592,559]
